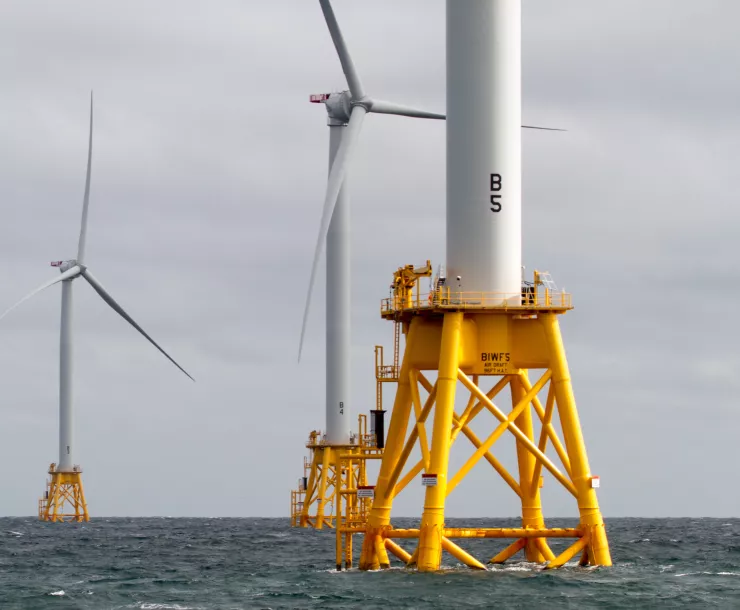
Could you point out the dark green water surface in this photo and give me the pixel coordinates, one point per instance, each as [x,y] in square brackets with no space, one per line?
[163,563]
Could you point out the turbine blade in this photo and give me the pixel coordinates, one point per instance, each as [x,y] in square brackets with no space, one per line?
[120,311]
[382,107]
[334,185]
[353,79]
[86,199]
[542,128]
[69,274]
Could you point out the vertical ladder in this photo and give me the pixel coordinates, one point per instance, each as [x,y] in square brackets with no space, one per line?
[379,374]
[396,346]
[378,389]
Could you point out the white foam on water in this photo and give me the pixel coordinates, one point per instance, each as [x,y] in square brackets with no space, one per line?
[16,534]
[57,593]
[521,567]
[518,567]
[709,574]
[356,569]
[148,606]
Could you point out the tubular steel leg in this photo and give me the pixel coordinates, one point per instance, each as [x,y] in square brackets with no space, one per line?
[83,501]
[588,505]
[347,551]
[310,490]
[78,504]
[461,555]
[397,550]
[338,521]
[53,503]
[349,510]
[325,460]
[381,553]
[411,563]
[531,504]
[509,551]
[568,553]
[380,513]
[432,520]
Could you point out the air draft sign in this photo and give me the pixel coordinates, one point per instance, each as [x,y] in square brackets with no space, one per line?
[366,491]
[429,480]
[595,482]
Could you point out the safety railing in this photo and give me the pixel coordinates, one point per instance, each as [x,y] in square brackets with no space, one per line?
[446,298]
[317,439]
[387,371]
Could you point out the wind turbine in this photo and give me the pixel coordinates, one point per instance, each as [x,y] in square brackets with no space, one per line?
[346,113]
[65,486]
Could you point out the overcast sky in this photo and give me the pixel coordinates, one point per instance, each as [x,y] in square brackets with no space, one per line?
[208,177]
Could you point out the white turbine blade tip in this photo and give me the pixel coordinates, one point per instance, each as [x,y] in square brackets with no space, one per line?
[86,196]
[348,66]
[97,286]
[543,128]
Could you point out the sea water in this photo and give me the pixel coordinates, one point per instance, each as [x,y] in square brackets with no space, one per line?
[178,564]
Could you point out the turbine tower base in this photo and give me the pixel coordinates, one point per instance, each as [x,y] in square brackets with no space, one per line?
[64,499]
[328,491]
[466,339]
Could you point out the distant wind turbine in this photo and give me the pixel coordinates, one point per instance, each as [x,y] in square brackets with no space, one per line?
[66,484]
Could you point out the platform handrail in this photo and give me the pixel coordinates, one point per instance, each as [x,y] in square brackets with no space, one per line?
[445,298]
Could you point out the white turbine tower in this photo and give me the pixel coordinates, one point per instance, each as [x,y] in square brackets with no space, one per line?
[66,484]
[346,113]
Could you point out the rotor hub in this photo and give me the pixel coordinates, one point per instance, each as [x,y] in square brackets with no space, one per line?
[65,266]
[339,107]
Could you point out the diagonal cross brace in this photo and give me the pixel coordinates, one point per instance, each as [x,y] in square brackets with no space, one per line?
[506,422]
[516,431]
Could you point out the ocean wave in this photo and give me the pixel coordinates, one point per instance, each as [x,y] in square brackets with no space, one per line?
[709,574]
[154,606]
